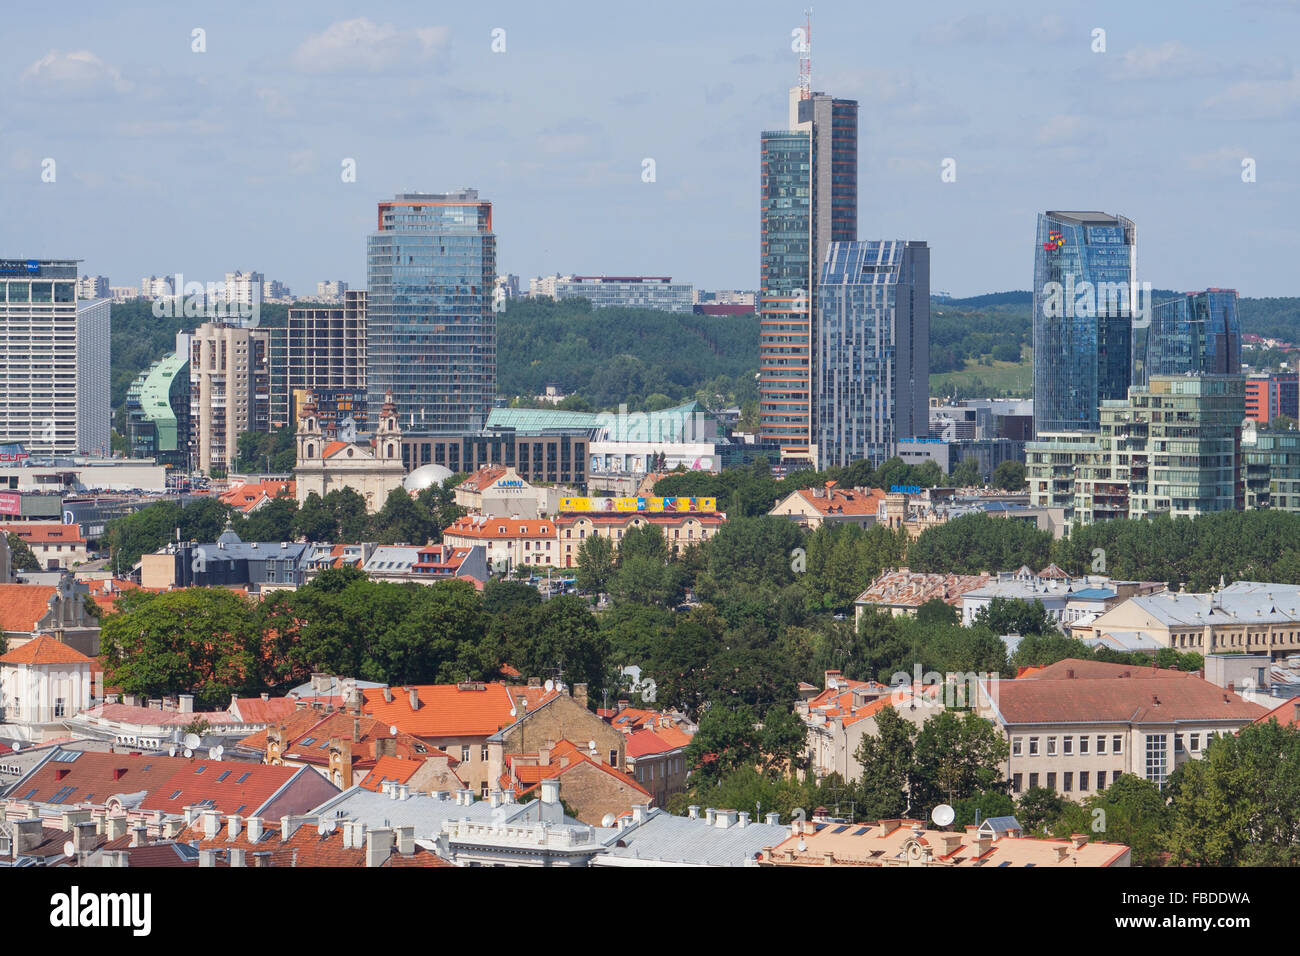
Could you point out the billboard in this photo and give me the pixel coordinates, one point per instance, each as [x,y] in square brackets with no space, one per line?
[614,505]
[10,503]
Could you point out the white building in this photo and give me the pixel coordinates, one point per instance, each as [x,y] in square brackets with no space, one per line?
[93,287]
[44,681]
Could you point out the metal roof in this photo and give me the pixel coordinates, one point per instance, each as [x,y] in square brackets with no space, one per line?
[670,839]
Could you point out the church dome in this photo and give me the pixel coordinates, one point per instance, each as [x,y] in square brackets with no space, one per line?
[425,477]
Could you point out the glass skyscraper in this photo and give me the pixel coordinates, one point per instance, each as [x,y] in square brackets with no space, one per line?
[809,200]
[1085,274]
[872,378]
[1196,333]
[430,328]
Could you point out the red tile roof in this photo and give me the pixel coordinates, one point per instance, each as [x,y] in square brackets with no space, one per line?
[1040,700]
[1286,713]
[44,532]
[480,528]
[391,769]
[1073,668]
[45,650]
[95,777]
[254,710]
[233,786]
[244,497]
[22,605]
[844,501]
[304,847]
[310,730]
[451,710]
[644,742]
[482,478]
[523,773]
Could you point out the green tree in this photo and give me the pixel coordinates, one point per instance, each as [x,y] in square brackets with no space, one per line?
[957,757]
[1133,812]
[1014,616]
[595,564]
[1039,808]
[402,519]
[729,737]
[887,772]
[21,556]
[1010,476]
[967,473]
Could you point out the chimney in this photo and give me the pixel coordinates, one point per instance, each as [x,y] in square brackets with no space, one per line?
[403,791]
[949,842]
[211,824]
[185,703]
[693,811]
[84,836]
[742,819]
[551,790]
[172,828]
[495,798]
[254,829]
[623,703]
[114,827]
[234,824]
[405,840]
[265,696]
[72,817]
[773,819]
[982,842]
[534,682]
[639,812]
[1080,840]
[709,814]
[725,819]
[238,858]
[379,844]
[1062,851]
[544,754]
[139,835]
[262,859]
[207,857]
[27,835]
[356,730]
[580,694]
[1232,688]
[415,698]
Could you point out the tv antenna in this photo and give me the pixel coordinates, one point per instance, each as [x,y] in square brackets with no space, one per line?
[805,58]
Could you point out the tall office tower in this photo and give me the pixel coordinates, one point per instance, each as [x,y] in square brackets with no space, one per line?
[1196,333]
[430,328]
[872,358]
[158,412]
[809,200]
[54,375]
[1085,274]
[230,390]
[327,356]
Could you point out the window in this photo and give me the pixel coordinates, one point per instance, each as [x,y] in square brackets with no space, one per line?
[613,758]
[1016,781]
[1067,781]
[174,795]
[1117,744]
[1033,780]
[1083,779]
[1083,744]
[483,790]
[482,752]
[464,754]
[244,777]
[1015,746]
[59,707]
[1051,781]
[223,775]
[1101,780]
[1194,742]
[1051,746]
[1101,744]
[1033,746]
[1157,753]
[1067,746]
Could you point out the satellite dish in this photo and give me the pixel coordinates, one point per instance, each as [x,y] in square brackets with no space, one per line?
[191,741]
[550,685]
[608,820]
[69,849]
[802,846]
[323,828]
[591,745]
[218,750]
[17,747]
[942,814]
[331,826]
[189,752]
[512,712]
[393,730]
[171,751]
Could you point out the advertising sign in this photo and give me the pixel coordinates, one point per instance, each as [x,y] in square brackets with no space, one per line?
[609,505]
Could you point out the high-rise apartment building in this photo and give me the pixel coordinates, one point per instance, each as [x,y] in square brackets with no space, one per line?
[54,349]
[93,287]
[430,327]
[242,288]
[1196,333]
[1085,297]
[809,200]
[872,359]
[327,356]
[158,412]
[230,390]
[628,292]
[331,289]
[1270,394]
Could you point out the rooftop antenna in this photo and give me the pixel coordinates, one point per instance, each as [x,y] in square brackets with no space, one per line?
[805,58]
[191,741]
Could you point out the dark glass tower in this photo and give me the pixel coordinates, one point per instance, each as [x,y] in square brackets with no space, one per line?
[809,200]
[1196,333]
[430,328]
[873,355]
[1085,274]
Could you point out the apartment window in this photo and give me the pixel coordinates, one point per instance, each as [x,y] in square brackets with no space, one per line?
[59,707]
[464,754]
[1194,742]
[1067,745]
[1083,780]
[1157,754]
[1067,781]
[1016,781]
[1015,746]
[1117,744]
[1101,744]
[1101,780]
[1083,744]
[1051,781]
[482,752]
[613,758]
[483,790]
[1033,746]
[1051,746]
[1033,780]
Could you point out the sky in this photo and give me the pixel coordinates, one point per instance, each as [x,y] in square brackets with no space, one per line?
[123,146]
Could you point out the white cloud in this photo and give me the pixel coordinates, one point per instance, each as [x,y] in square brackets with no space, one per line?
[361,45]
[1169,60]
[1062,129]
[76,74]
[1258,99]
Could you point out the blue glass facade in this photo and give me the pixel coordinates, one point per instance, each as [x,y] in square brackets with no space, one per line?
[430,328]
[872,356]
[1085,274]
[1196,333]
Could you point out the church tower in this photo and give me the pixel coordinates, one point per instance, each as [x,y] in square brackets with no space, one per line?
[311,440]
[388,436]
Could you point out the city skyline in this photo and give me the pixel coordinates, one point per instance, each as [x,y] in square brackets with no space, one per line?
[1032,117]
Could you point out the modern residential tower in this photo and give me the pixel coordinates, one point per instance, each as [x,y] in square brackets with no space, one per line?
[1085,294]
[809,200]
[872,358]
[1197,334]
[430,329]
[327,357]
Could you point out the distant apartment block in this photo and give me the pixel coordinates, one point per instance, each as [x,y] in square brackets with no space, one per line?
[54,353]
[93,287]
[230,390]
[242,288]
[327,357]
[331,289]
[628,292]
[155,287]
[273,290]
[123,293]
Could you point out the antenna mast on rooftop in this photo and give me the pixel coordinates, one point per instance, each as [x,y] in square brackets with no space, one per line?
[805,58]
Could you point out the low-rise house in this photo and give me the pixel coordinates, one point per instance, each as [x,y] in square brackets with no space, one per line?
[426,564]
[227,562]
[499,491]
[507,542]
[42,682]
[1076,726]
[248,496]
[813,507]
[909,843]
[592,789]
[653,837]
[304,841]
[55,545]
[901,591]
[156,724]
[681,530]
